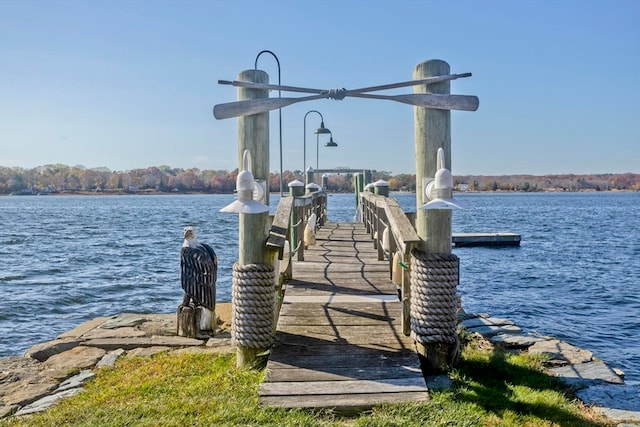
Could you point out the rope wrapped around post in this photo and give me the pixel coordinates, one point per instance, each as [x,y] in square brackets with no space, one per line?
[253,305]
[434,279]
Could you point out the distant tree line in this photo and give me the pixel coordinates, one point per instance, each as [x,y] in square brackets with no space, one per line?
[60,178]
[568,182]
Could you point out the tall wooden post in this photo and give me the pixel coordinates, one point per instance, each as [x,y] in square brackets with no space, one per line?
[432,131]
[253,135]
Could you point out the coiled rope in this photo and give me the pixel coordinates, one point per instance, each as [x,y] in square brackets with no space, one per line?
[434,278]
[252,309]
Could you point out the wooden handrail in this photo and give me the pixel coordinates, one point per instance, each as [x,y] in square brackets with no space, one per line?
[404,235]
[378,211]
[291,218]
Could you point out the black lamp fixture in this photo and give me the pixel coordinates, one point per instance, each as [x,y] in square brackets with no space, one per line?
[331,143]
[320,131]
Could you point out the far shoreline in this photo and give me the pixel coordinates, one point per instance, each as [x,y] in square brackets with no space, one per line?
[196,193]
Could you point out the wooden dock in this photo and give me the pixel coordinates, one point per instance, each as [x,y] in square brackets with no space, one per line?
[339,341]
[485,239]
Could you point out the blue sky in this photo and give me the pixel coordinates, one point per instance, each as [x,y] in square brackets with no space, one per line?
[131,84]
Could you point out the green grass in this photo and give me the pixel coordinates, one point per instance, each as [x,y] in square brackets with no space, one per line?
[493,388]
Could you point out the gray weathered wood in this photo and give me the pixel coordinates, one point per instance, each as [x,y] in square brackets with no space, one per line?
[404,233]
[424,81]
[253,135]
[383,385]
[280,224]
[256,106]
[485,239]
[433,131]
[186,322]
[333,373]
[439,102]
[341,336]
[346,404]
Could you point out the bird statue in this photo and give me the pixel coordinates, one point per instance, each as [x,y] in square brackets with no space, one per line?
[199,271]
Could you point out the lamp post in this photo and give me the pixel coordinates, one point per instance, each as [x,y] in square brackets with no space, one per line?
[279,114]
[331,143]
[320,130]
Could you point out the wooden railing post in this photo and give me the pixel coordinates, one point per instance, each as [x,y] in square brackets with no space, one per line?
[406,293]
[380,225]
[301,221]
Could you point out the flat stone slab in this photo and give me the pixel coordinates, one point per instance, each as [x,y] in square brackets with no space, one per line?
[109,359]
[124,320]
[47,402]
[85,327]
[43,351]
[561,353]
[78,357]
[475,322]
[131,343]
[150,324]
[159,324]
[22,381]
[76,381]
[124,332]
[586,374]
[619,415]
[490,330]
[516,341]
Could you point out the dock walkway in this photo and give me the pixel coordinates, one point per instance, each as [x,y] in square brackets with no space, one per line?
[339,341]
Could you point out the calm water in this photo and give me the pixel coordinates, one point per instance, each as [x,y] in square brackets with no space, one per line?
[68,259]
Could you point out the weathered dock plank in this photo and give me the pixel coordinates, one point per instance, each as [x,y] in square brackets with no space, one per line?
[339,341]
[485,239]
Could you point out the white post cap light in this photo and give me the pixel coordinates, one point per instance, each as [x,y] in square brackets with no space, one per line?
[245,186]
[440,190]
[313,187]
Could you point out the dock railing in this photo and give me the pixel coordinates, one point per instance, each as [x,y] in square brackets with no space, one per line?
[291,218]
[380,213]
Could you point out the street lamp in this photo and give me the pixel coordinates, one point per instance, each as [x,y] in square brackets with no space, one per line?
[320,130]
[331,143]
[279,112]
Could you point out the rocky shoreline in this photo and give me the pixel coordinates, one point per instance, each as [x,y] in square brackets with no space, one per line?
[596,384]
[57,369]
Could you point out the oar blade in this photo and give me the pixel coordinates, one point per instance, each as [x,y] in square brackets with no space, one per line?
[440,101]
[250,106]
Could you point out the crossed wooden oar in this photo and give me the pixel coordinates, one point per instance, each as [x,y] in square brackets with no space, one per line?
[428,100]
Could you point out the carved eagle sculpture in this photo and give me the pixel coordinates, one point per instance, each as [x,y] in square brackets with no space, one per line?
[198,271]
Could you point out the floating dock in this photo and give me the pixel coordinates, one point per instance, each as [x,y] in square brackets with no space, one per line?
[339,340]
[485,239]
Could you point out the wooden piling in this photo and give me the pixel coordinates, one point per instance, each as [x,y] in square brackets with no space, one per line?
[253,135]
[432,131]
